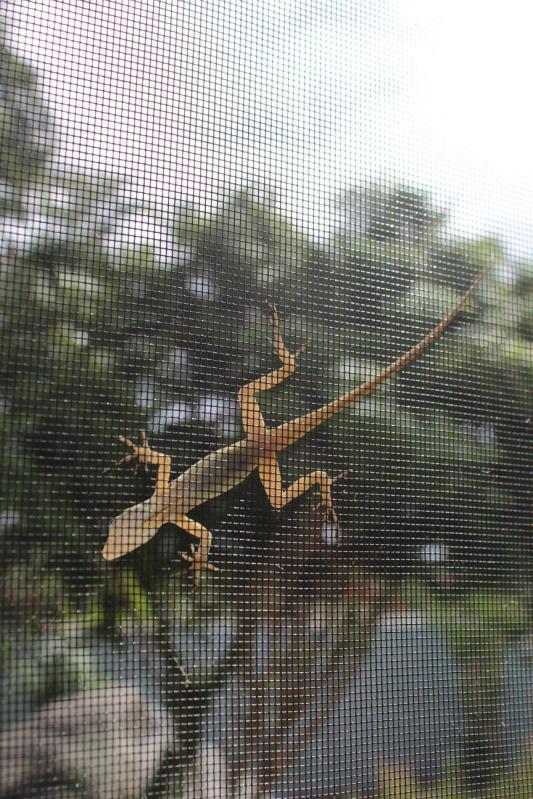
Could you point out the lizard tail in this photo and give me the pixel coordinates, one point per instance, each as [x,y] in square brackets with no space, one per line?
[287,434]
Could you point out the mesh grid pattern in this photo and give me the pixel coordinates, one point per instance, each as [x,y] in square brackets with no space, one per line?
[217,219]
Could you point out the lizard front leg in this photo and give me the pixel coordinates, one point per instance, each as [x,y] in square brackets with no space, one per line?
[198,561]
[145,455]
[136,525]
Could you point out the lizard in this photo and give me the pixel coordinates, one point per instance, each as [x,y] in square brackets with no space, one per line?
[227,467]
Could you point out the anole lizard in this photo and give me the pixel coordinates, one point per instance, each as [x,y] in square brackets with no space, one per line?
[222,470]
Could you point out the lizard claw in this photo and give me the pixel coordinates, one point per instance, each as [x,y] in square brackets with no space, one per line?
[326,505]
[132,456]
[140,454]
[341,475]
[272,312]
[271,308]
[195,567]
[329,515]
[300,351]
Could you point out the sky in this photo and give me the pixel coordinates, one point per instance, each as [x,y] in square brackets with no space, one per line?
[191,98]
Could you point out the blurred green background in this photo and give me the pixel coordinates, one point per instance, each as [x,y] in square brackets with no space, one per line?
[117,316]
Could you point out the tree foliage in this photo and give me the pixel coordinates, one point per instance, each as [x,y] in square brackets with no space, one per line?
[119,316]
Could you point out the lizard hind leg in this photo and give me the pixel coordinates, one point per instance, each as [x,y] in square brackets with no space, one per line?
[270,476]
[279,345]
[252,418]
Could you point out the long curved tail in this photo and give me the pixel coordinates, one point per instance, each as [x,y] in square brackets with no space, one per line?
[286,434]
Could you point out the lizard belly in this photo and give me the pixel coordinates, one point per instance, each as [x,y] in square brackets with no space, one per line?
[215,474]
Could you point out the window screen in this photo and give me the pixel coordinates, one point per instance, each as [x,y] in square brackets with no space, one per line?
[266,355]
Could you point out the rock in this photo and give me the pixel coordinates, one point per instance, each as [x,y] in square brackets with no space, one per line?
[111,739]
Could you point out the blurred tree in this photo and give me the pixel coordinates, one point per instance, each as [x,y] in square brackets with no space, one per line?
[26,126]
[108,333]
[117,315]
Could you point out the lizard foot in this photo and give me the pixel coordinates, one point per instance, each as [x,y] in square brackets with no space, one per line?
[326,505]
[142,455]
[279,346]
[196,566]
[327,510]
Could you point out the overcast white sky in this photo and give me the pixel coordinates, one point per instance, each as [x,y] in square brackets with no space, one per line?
[191,96]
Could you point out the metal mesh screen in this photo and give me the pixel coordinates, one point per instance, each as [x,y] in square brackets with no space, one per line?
[226,573]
